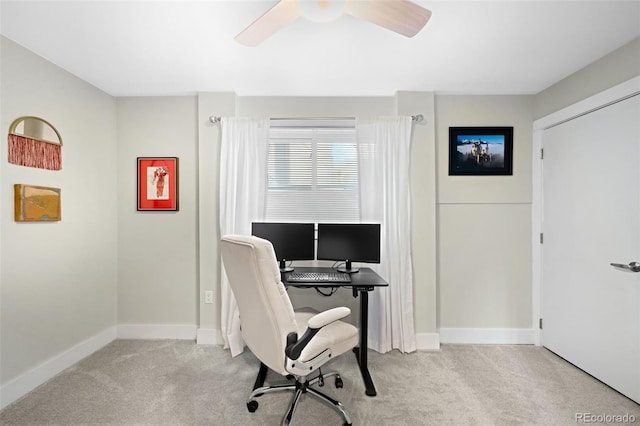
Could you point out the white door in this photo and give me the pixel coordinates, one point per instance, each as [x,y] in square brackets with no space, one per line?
[591,218]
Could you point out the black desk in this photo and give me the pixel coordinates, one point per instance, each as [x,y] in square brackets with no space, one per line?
[361,283]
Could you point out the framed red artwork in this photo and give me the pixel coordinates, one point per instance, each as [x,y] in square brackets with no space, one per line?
[157,183]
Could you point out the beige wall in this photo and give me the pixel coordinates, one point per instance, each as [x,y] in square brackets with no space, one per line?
[157,257]
[617,67]
[57,279]
[484,266]
[484,222]
[220,105]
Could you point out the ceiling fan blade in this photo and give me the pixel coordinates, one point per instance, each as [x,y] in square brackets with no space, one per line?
[282,13]
[402,16]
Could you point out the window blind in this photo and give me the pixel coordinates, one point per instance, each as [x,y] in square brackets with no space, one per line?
[312,172]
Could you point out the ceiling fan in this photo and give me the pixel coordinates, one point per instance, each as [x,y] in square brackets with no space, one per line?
[401,16]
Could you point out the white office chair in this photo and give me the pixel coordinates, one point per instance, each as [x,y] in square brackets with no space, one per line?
[293,344]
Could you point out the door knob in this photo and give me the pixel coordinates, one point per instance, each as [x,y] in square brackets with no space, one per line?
[633,266]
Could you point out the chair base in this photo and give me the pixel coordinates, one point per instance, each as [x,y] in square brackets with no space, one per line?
[299,387]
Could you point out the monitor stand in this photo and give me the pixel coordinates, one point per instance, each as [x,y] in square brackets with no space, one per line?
[348,269]
[284,267]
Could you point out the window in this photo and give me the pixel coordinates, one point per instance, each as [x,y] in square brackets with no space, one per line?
[312,171]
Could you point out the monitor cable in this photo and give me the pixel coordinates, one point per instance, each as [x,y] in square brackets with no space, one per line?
[331,292]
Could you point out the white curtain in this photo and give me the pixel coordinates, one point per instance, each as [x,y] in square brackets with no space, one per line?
[243,182]
[384,179]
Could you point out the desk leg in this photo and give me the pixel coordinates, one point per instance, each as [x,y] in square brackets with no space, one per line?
[361,352]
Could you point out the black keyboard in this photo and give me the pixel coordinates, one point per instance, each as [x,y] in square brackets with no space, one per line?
[318,277]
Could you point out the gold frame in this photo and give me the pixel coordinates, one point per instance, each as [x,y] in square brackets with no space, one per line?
[17,121]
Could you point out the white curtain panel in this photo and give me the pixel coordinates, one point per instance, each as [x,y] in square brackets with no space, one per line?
[243,183]
[384,146]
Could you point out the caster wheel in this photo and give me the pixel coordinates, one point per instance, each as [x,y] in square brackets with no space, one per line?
[252,406]
[339,383]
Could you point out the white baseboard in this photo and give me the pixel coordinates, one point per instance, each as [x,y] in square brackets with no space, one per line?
[428,341]
[537,337]
[25,383]
[209,336]
[489,336]
[157,331]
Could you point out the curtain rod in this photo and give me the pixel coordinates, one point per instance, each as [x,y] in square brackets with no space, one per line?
[417,118]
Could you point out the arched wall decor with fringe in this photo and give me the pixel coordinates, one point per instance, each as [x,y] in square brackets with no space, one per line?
[34,142]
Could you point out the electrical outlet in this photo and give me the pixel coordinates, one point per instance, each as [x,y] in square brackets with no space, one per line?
[208,296]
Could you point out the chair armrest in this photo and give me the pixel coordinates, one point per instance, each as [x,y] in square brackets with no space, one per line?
[314,325]
[328,316]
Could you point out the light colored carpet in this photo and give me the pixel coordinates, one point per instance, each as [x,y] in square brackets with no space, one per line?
[169,382]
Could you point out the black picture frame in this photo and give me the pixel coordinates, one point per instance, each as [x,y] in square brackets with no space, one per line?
[480,151]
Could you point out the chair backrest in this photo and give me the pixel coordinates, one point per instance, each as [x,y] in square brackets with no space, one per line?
[266,313]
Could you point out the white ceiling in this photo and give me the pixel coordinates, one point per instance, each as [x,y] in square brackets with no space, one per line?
[142,48]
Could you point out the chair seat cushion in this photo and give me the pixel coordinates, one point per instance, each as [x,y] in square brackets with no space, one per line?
[339,336]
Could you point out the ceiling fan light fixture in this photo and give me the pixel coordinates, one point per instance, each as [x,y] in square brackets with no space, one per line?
[401,16]
[323,10]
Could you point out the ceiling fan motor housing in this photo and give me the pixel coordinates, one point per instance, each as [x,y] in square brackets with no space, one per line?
[323,10]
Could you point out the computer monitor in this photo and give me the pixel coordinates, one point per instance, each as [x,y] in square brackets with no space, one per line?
[351,242]
[291,241]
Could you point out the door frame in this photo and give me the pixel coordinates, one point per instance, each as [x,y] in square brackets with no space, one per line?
[598,101]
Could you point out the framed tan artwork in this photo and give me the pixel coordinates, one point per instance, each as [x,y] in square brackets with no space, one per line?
[36,203]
